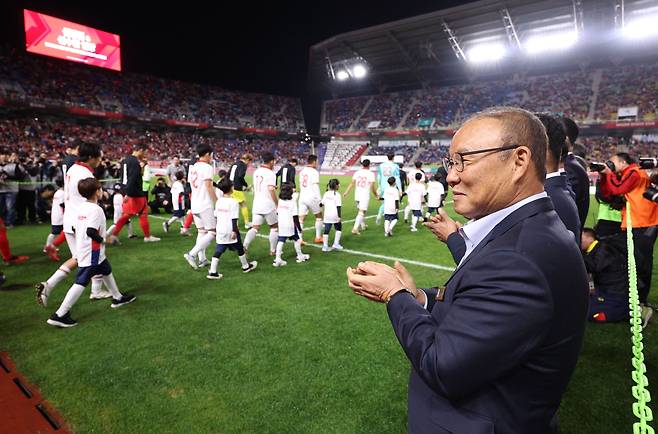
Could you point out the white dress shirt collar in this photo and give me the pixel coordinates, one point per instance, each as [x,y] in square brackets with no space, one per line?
[476,230]
[553,174]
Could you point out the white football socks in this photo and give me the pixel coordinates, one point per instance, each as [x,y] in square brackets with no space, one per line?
[251,234]
[298,247]
[318,227]
[243,261]
[111,285]
[57,277]
[214,263]
[72,296]
[96,284]
[279,250]
[337,238]
[274,237]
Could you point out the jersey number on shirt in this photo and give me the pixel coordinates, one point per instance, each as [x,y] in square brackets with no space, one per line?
[259,184]
[362,182]
[194,179]
[304,181]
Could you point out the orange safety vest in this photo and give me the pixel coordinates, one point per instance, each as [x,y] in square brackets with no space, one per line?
[644,212]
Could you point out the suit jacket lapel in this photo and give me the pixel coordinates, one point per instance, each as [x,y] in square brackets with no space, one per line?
[540,205]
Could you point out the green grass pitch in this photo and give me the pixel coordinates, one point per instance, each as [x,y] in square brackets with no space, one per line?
[277,350]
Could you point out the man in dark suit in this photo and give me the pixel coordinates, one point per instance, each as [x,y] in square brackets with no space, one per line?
[493,350]
[556,185]
[576,174]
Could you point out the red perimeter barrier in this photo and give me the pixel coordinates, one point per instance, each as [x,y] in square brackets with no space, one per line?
[22,408]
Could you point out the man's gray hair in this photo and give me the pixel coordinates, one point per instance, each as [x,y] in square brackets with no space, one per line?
[520,127]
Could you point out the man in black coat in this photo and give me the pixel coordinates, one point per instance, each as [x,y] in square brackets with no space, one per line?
[576,174]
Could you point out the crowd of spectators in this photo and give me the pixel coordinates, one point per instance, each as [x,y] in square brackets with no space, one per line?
[55,82]
[340,113]
[432,154]
[31,152]
[50,137]
[406,151]
[599,148]
[629,85]
[568,93]
[388,109]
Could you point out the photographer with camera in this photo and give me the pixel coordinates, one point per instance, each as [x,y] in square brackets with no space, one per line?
[622,176]
[608,219]
[10,174]
[161,197]
[27,190]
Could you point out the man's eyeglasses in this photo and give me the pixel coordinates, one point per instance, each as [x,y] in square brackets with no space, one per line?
[456,160]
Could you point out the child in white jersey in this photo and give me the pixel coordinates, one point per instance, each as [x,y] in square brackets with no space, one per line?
[90,245]
[391,206]
[289,225]
[332,202]
[435,195]
[177,201]
[227,210]
[117,204]
[415,196]
[56,235]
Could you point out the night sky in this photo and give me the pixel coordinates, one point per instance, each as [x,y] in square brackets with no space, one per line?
[241,45]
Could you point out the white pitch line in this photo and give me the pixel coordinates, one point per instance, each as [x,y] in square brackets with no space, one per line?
[387,258]
[343,221]
[360,253]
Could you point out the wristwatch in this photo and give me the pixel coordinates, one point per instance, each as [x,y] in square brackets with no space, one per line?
[399,292]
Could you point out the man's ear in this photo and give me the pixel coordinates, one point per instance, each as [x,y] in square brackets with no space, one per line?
[522,159]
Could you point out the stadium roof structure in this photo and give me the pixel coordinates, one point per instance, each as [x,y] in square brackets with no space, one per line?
[434,48]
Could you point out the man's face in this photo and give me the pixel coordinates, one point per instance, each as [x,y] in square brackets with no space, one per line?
[176,161]
[485,184]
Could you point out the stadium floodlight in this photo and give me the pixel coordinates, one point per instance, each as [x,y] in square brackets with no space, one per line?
[641,28]
[342,75]
[550,42]
[483,53]
[359,71]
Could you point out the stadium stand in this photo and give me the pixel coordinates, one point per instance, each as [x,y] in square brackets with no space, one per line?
[629,85]
[339,155]
[569,93]
[50,137]
[36,79]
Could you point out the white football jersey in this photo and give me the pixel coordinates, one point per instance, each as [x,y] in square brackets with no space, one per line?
[57,213]
[309,183]
[201,199]
[412,176]
[176,190]
[226,209]
[72,197]
[331,201]
[363,179]
[89,252]
[285,211]
[264,178]
[117,203]
[435,191]
[391,194]
[415,194]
